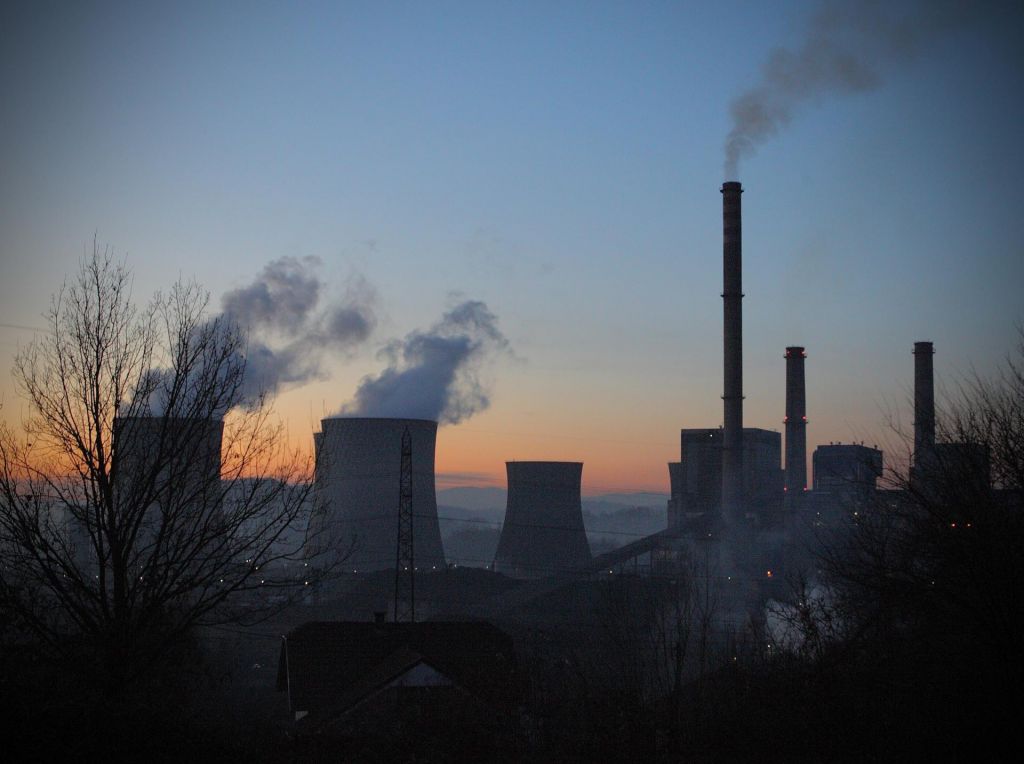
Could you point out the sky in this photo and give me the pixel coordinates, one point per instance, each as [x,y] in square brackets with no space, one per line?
[558,164]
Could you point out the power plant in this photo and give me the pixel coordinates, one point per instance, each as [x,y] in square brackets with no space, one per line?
[729,478]
[543,530]
[657,614]
[732,475]
[357,492]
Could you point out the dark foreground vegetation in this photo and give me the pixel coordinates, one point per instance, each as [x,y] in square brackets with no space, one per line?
[878,672]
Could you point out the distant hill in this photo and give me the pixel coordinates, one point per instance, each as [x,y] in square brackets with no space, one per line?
[469,497]
[492,498]
[471,518]
[470,536]
[447,511]
[608,529]
[471,546]
[638,499]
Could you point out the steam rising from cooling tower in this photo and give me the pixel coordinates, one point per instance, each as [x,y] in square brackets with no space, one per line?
[543,530]
[435,374]
[293,324]
[290,327]
[846,47]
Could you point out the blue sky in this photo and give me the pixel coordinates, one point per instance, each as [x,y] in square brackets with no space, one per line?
[558,161]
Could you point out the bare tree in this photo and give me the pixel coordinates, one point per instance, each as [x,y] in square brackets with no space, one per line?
[145,496]
[944,541]
[928,587]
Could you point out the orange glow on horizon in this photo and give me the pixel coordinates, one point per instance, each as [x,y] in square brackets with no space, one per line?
[474,454]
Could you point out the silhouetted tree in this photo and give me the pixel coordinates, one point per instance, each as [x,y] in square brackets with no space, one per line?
[928,588]
[145,495]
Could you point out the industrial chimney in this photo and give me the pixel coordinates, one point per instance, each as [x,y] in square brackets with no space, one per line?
[732,297]
[924,399]
[357,490]
[796,426]
[543,531]
[924,415]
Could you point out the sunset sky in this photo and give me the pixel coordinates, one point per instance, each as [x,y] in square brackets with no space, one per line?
[561,163]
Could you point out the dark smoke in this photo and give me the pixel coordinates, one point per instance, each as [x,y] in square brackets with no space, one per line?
[434,374]
[293,325]
[847,46]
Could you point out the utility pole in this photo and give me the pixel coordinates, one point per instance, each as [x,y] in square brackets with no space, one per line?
[405,571]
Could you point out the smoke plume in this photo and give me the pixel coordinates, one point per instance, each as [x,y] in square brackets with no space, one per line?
[846,48]
[434,374]
[294,323]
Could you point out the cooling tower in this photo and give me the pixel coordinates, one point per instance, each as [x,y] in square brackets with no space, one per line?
[732,301]
[167,459]
[543,531]
[796,425]
[166,472]
[358,468]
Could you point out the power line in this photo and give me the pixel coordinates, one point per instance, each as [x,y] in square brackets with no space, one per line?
[588,575]
[23,327]
[480,521]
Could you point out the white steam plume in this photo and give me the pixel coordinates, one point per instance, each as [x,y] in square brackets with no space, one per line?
[434,374]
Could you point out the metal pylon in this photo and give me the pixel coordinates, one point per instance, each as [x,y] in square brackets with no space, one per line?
[405,570]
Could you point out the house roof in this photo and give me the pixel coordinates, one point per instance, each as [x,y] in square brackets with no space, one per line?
[334,664]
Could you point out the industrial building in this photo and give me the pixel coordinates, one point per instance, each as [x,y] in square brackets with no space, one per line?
[847,470]
[696,479]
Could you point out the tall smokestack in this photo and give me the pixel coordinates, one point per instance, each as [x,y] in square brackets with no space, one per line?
[924,400]
[732,297]
[796,426]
